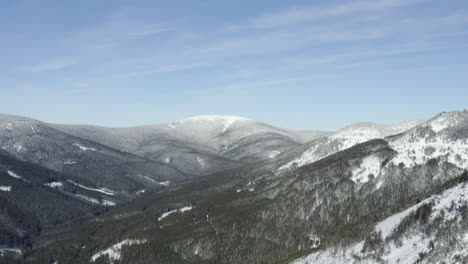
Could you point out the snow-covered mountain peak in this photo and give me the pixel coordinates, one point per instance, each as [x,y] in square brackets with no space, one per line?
[447,119]
[224,122]
[448,143]
[215,118]
[346,138]
[367,130]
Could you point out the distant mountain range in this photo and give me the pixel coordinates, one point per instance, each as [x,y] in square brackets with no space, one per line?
[223,189]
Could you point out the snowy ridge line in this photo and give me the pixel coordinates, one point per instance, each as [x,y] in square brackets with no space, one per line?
[101,190]
[114,252]
[346,138]
[181,210]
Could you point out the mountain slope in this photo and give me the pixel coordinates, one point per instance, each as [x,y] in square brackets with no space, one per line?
[34,199]
[255,215]
[198,145]
[346,138]
[87,161]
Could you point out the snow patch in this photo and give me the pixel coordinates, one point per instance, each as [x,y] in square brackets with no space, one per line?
[370,165]
[57,185]
[8,250]
[83,148]
[16,176]
[101,190]
[181,210]
[69,162]
[442,202]
[5,188]
[108,203]
[274,153]
[9,127]
[167,159]
[414,150]
[140,192]
[408,251]
[33,130]
[443,121]
[163,183]
[201,161]
[89,199]
[114,252]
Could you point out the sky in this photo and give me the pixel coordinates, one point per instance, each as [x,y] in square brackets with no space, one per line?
[319,64]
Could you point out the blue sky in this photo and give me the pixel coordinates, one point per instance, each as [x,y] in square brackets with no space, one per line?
[294,64]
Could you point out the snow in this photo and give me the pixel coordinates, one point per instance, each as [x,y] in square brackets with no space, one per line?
[9,127]
[347,138]
[16,176]
[201,161]
[408,252]
[225,121]
[172,126]
[83,148]
[443,202]
[69,162]
[114,252]
[89,199]
[274,153]
[414,150]
[185,209]
[108,203]
[238,190]
[5,188]
[101,190]
[181,210]
[444,120]
[19,148]
[163,183]
[57,185]
[369,165]
[33,130]
[167,159]
[140,192]
[4,250]
[330,256]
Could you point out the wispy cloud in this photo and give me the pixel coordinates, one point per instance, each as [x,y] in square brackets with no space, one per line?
[52,65]
[114,33]
[297,15]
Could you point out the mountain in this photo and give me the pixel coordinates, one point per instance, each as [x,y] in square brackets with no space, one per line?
[199,145]
[401,198]
[91,165]
[34,199]
[344,139]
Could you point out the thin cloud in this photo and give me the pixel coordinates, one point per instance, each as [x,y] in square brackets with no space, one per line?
[52,65]
[297,15]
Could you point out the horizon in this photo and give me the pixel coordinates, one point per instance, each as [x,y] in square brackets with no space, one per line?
[241,117]
[295,64]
